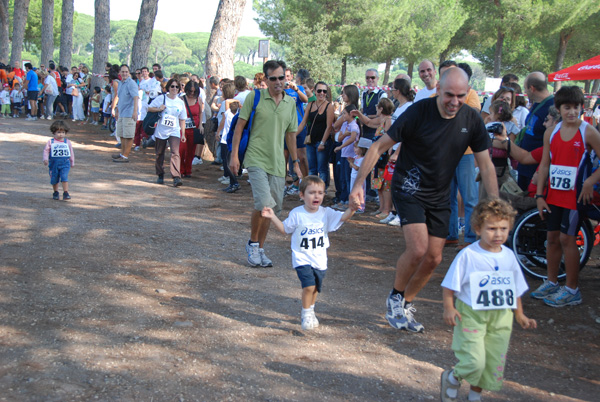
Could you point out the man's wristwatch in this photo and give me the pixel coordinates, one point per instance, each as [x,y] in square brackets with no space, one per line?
[539,196]
[296,160]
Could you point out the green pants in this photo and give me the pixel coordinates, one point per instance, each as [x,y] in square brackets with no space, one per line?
[480,344]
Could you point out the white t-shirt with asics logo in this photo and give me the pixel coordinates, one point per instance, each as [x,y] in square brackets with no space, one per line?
[310,238]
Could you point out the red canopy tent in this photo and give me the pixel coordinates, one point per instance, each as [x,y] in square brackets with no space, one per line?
[587,70]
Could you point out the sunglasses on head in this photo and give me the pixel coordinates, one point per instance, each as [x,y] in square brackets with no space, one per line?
[370,77]
[280,78]
[321,91]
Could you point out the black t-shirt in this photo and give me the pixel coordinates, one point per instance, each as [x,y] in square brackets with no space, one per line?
[432,148]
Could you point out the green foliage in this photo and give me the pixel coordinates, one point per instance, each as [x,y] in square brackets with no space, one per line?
[245,69]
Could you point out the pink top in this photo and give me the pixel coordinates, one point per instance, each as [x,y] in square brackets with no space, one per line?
[49,145]
[348,150]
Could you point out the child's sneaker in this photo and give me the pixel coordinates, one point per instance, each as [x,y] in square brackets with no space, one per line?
[546,289]
[66,196]
[446,385]
[253,255]
[264,260]
[563,298]
[315,320]
[55,196]
[309,321]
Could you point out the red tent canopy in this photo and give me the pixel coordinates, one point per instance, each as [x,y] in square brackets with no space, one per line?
[587,70]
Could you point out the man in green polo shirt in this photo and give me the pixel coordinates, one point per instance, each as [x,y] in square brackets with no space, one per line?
[275,120]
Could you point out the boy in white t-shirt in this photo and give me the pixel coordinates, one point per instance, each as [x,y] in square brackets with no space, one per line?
[16,97]
[488,284]
[309,225]
[5,101]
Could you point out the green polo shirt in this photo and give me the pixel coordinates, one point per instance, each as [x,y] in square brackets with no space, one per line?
[267,137]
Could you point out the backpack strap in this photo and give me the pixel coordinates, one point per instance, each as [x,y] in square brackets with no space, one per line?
[254,105]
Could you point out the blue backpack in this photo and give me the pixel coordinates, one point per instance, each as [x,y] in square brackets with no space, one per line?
[246,132]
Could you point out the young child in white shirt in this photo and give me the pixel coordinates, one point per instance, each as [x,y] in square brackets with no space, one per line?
[309,225]
[355,165]
[5,101]
[488,284]
[16,98]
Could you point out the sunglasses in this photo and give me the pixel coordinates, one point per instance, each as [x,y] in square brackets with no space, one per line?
[175,86]
[280,78]
[321,91]
[508,89]
[370,78]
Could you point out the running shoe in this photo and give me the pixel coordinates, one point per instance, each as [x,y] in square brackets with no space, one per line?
[55,196]
[395,221]
[563,298]
[387,218]
[264,260]
[253,255]
[66,196]
[546,289]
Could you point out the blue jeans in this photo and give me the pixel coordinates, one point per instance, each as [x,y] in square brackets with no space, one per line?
[463,181]
[318,161]
[337,166]
[345,171]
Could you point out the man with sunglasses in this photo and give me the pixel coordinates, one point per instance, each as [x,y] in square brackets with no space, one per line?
[370,99]
[126,113]
[275,122]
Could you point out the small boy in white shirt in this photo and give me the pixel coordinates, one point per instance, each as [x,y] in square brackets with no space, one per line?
[488,284]
[309,225]
[5,101]
[16,98]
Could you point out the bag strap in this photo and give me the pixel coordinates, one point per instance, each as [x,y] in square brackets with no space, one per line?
[315,118]
[256,100]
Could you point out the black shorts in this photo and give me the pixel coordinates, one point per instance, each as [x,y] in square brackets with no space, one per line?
[410,210]
[32,95]
[566,220]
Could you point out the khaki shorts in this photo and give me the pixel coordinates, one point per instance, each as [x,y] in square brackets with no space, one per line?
[267,190]
[126,127]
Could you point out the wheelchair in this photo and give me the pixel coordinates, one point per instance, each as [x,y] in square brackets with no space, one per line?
[528,241]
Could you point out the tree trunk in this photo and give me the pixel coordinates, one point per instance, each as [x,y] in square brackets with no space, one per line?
[66,34]
[223,38]
[143,34]
[498,53]
[47,31]
[19,21]
[587,86]
[344,68]
[563,41]
[101,39]
[4,20]
[386,74]
[410,68]
[595,86]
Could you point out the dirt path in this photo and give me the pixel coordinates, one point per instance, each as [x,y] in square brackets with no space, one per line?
[134,291]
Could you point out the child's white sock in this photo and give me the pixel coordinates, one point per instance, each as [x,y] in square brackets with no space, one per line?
[474,396]
[306,311]
[312,307]
[452,393]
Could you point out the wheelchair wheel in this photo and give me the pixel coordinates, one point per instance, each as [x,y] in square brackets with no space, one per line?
[112,124]
[528,242]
